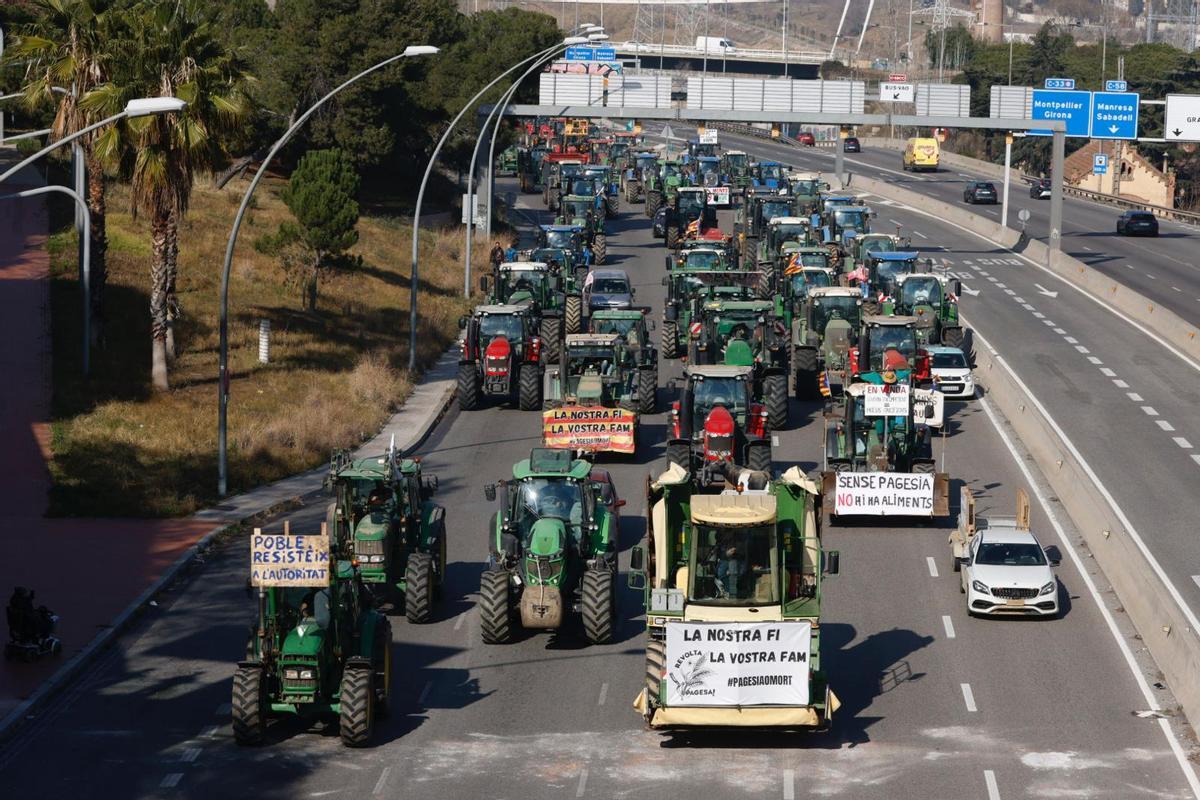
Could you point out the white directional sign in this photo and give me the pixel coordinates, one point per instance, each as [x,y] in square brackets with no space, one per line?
[1182,118]
[896,92]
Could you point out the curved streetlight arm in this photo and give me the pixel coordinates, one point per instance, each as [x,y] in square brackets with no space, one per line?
[223,356]
[503,102]
[60,142]
[412,311]
[85,264]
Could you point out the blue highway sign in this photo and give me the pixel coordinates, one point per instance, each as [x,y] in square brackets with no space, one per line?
[1099,164]
[591,54]
[1073,108]
[1114,115]
[1116,86]
[1060,83]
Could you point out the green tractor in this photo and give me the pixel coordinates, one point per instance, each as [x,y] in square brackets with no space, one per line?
[632,325]
[558,171]
[661,184]
[687,289]
[316,646]
[884,270]
[779,231]
[824,335]
[751,220]
[580,211]
[807,188]
[633,177]
[688,205]
[385,508]
[933,300]
[552,551]
[595,372]
[508,162]
[529,167]
[736,165]
[799,270]
[554,298]
[747,333]
[733,584]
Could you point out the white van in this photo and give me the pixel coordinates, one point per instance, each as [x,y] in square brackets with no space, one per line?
[714,44]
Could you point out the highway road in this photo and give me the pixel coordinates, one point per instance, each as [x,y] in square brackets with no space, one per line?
[936,705]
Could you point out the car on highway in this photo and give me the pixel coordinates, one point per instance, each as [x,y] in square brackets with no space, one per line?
[606,491]
[659,227]
[806,138]
[1007,572]
[1137,223]
[980,192]
[951,372]
[1039,188]
[851,145]
[609,288]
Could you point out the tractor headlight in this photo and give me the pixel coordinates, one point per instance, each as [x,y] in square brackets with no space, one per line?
[291,674]
[1048,588]
[980,587]
[307,674]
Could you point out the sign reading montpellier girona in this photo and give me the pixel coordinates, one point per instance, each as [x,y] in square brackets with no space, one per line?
[589,428]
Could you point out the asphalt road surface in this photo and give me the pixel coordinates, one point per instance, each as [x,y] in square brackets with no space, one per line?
[936,705]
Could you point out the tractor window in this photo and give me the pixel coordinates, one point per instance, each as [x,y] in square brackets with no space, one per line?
[646,162]
[526,281]
[802,282]
[791,232]
[617,326]
[583,187]
[827,308]
[670,171]
[737,160]
[851,219]
[712,392]
[882,246]
[691,202]
[561,239]
[703,260]
[806,187]
[544,498]
[507,325]
[742,326]
[735,566]
[577,208]
[771,171]
[888,338]
[776,208]
[886,273]
[920,291]
[814,260]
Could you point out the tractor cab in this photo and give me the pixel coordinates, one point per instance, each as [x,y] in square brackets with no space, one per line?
[862,440]
[884,270]
[933,300]
[780,230]
[800,280]
[770,174]
[890,344]
[700,258]
[807,187]
[518,282]
[716,420]
[832,201]
[698,149]
[691,204]
[578,209]
[644,161]
[846,223]
[565,237]
[592,371]
[734,332]
[629,324]
[877,243]
[708,171]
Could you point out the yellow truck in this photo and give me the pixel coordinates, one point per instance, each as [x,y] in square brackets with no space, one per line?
[922,154]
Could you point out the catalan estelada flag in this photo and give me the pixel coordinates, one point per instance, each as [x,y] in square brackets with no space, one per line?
[693,227]
[793,266]
[825,390]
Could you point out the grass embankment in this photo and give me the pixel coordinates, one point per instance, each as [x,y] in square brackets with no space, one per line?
[333,378]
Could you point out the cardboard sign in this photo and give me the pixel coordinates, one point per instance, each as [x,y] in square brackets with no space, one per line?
[882,494]
[289,559]
[717,195]
[708,136]
[928,407]
[738,663]
[575,127]
[885,400]
[589,428]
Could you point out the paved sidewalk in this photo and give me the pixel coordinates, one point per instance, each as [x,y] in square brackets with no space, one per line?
[96,574]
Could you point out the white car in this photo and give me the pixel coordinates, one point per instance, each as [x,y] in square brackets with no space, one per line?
[951,372]
[1006,571]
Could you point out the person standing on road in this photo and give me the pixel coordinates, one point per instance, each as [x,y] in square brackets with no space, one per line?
[510,253]
[496,257]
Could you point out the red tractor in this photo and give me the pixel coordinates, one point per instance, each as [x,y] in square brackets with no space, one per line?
[501,357]
[716,421]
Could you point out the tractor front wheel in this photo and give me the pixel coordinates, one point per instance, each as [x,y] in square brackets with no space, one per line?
[775,391]
[612,205]
[468,387]
[357,716]
[670,339]
[599,607]
[952,337]
[647,390]
[529,388]
[418,588]
[495,621]
[600,248]
[672,237]
[249,706]
[679,454]
[573,313]
[766,281]
[551,332]
[760,456]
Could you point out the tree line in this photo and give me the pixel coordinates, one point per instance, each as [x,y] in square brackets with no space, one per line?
[247,71]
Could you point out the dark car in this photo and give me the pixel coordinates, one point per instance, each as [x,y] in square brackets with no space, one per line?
[806,137]
[607,491]
[1039,188]
[660,223]
[979,192]
[1137,223]
[851,145]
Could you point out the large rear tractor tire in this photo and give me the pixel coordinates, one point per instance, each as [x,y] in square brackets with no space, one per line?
[573,313]
[760,457]
[495,619]
[468,387]
[679,454]
[805,361]
[249,706]
[599,606]
[356,721]
[775,394]
[600,248]
[529,388]
[551,332]
[381,659]
[612,206]
[766,282]
[925,468]
[653,201]
[670,339]
[552,202]
[656,661]
[952,337]
[647,391]
[672,237]
[418,588]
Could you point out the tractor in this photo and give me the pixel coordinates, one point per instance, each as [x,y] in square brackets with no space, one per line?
[384,507]
[769,175]
[558,170]
[508,162]
[688,205]
[607,187]
[798,269]
[552,549]
[697,149]
[661,184]
[736,165]
[756,213]
[883,273]
[933,300]
[633,176]
[687,289]
[841,227]
[729,579]
[824,333]
[890,343]
[716,419]
[807,187]
[879,451]
[554,294]
[595,373]
[706,171]
[580,211]
[529,167]
[633,326]
[316,646]
[746,333]
[877,243]
[778,232]
[501,357]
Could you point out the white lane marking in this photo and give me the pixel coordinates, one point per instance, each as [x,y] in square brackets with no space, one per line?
[1182,442]
[1082,349]
[1196,580]
[579,790]
[1120,384]
[1151,277]
[1176,289]
[984,274]
[1008,292]
[993,279]
[1129,266]
[1108,373]
[382,782]
[1003,286]
[224,710]
[458,623]
[1166,426]
[1140,679]
[1134,396]
[1150,411]
[1085,247]
[948,624]
[918,233]
[896,223]
[993,789]
[1059,331]
[933,573]
[1071,340]
[171,781]
[603,694]
[1049,323]
[211,733]
[189,755]
[789,784]
[1094,360]
[1039,314]
[424,692]
[968,697]
[1025,306]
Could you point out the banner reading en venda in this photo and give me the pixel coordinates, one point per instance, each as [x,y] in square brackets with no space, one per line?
[907,494]
[287,559]
[589,428]
[738,663]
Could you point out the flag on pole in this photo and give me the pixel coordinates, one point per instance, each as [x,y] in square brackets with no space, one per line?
[825,390]
[793,266]
[693,227]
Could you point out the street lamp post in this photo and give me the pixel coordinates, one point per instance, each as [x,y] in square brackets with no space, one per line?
[223,350]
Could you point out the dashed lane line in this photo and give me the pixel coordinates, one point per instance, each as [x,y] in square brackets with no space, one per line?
[1166,426]
[171,780]
[381,784]
[948,624]
[1150,411]
[968,697]
[582,787]
[1182,442]
[789,784]
[603,694]
[1120,384]
[989,780]
[424,693]
[933,570]
[1134,396]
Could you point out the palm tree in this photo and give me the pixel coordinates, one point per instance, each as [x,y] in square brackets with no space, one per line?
[68,48]
[169,47]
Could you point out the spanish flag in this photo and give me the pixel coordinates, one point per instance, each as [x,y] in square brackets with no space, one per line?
[793,266]
[693,227]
